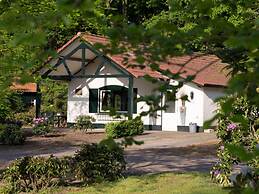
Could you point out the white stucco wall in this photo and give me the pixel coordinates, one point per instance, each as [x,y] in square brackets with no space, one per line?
[74,66]
[194,107]
[210,95]
[146,88]
[79,105]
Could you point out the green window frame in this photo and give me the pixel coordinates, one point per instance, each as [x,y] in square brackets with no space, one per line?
[111,93]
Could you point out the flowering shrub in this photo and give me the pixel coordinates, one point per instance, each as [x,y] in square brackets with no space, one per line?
[231,127]
[239,135]
[41,126]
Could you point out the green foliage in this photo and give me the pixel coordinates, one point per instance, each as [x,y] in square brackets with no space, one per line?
[54,96]
[92,163]
[10,129]
[46,26]
[41,126]
[5,112]
[11,105]
[110,129]
[124,128]
[228,29]
[41,129]
[247,180]
[134,11]
[60,34]
[11,134]
[98,162]
[26,117]
[16,101]
[84,122]
[34,173]
[239,138]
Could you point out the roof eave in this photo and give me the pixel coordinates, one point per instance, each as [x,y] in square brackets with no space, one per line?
[215,85]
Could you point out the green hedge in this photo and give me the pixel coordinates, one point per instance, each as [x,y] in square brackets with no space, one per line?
[92,163]
[11,134]
[124,128]
[98,162]
[34,173]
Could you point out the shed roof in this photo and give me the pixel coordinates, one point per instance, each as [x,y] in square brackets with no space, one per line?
[28,87]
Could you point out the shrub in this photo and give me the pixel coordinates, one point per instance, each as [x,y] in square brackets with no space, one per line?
[26,117]
[92,163]
[84,122]
[125,128]
[41,126]
[98,162]
[238,132]
[11,133]
[5,112]
[34,173]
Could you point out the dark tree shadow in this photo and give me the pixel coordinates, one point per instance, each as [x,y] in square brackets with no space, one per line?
[175,159]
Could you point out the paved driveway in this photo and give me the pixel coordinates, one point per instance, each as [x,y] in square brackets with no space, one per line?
[161,152]
[172,151]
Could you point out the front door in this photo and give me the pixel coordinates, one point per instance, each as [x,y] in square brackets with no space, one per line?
[169,116]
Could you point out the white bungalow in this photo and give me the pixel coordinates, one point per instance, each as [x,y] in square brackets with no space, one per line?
[97,82]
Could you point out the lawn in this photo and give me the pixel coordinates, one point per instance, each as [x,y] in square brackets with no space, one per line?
[171,183]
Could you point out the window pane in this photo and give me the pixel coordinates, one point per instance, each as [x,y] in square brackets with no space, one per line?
[124,100]
[106,100]
[114,99]
[117,102]
[170,105]
[78,91]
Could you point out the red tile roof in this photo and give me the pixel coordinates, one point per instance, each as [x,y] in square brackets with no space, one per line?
[208,69]
[136,71]
[28,87]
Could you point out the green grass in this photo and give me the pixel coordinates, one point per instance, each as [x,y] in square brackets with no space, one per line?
[168,183]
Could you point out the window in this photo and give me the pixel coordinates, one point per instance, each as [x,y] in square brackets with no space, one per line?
[106,100]
[113,99]
[78,91]
[117,102]
[170,103]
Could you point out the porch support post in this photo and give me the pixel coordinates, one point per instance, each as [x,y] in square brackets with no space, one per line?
[130,98]
[38,101]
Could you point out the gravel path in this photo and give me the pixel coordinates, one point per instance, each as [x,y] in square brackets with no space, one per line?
[172,151]
[63,142]
[161,152]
